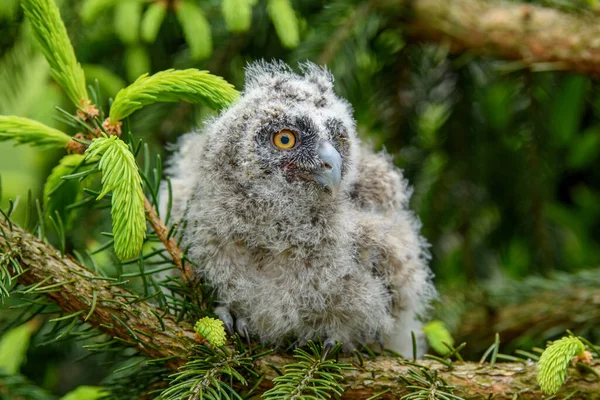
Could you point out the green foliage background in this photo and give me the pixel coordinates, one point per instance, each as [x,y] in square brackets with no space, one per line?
[504,161]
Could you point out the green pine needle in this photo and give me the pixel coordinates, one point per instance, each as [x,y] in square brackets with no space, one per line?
[437,334]
[189,85]
[33,133]
[152,20]
[310,376]
[121,176]
[90,9]
[553,364]
[238,14]
[51,33]
[212,330]
[196,29]
[127,21]
[285,21]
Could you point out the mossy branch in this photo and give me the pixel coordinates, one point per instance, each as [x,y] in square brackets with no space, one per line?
[174,340]
[539,38]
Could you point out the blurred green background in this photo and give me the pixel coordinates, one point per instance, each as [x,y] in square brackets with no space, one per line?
[504,161]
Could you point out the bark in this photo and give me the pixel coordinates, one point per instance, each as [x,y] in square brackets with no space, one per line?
[541,38]
[73,288]
[541,316]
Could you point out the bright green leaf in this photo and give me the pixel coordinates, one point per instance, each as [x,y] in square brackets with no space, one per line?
[85,393]
[33,133]
[90,9]
[285,21]
[437,333]
[554,361]
[120,176]
[152,20]
[189,85]
[127,21]
[52,35]
[14,345]
[196,30]
[238,14]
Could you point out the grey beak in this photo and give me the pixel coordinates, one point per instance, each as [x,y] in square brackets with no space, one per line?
[330,173]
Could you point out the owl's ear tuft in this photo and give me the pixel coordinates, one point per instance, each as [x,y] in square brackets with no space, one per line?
[262,73]
[320,76]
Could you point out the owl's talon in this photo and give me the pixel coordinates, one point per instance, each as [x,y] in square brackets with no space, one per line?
[225,316]
[241,326]
[327,346]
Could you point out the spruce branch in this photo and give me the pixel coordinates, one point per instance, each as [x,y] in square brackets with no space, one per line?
[152,20]
[286,24]
[169,242]
[553,364]
[164,338]
[33,133]
[121,177]
[196,29]
[190,85]
[539,38]
[237,14]
[51,33]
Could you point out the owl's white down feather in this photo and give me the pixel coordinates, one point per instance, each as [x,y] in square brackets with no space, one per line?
[290,258]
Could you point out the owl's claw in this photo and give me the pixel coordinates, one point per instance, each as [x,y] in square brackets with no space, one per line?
[327,346]
[241,326]
[225,316]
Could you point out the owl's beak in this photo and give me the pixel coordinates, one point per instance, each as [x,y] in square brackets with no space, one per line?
[330,173]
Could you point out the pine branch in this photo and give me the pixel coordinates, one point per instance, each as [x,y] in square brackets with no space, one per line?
[533,309]
[189,85]
[120,175]
[157,335]
[170,243]
[52,35]
[540,38]
[33,133]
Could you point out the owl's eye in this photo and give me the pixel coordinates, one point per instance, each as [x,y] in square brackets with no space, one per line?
[284,139]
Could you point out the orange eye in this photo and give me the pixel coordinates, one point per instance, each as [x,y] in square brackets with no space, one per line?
[284,139]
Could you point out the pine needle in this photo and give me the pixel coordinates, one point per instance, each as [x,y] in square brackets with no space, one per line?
[238,14]
[285,21]
[121,176]
[33,133]
[189,85]
[196,29]
[51,33]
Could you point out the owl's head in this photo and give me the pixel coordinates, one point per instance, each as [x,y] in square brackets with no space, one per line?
[287,133]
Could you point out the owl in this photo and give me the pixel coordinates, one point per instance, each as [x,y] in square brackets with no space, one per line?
[302,231]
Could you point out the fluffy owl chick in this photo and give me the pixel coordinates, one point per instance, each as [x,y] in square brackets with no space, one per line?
[301,231]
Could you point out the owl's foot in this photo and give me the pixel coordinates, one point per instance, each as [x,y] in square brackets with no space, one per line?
[241,326]
[327,346]
[225,316]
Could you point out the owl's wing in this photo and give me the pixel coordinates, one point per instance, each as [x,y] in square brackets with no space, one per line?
[391,246]
[379,186]
[180,172]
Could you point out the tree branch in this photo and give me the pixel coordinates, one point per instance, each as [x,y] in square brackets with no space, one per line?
[136,323]
[539,37]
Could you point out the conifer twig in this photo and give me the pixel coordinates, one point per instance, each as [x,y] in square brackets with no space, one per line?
[170,243]
[137,324]
[537,37]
